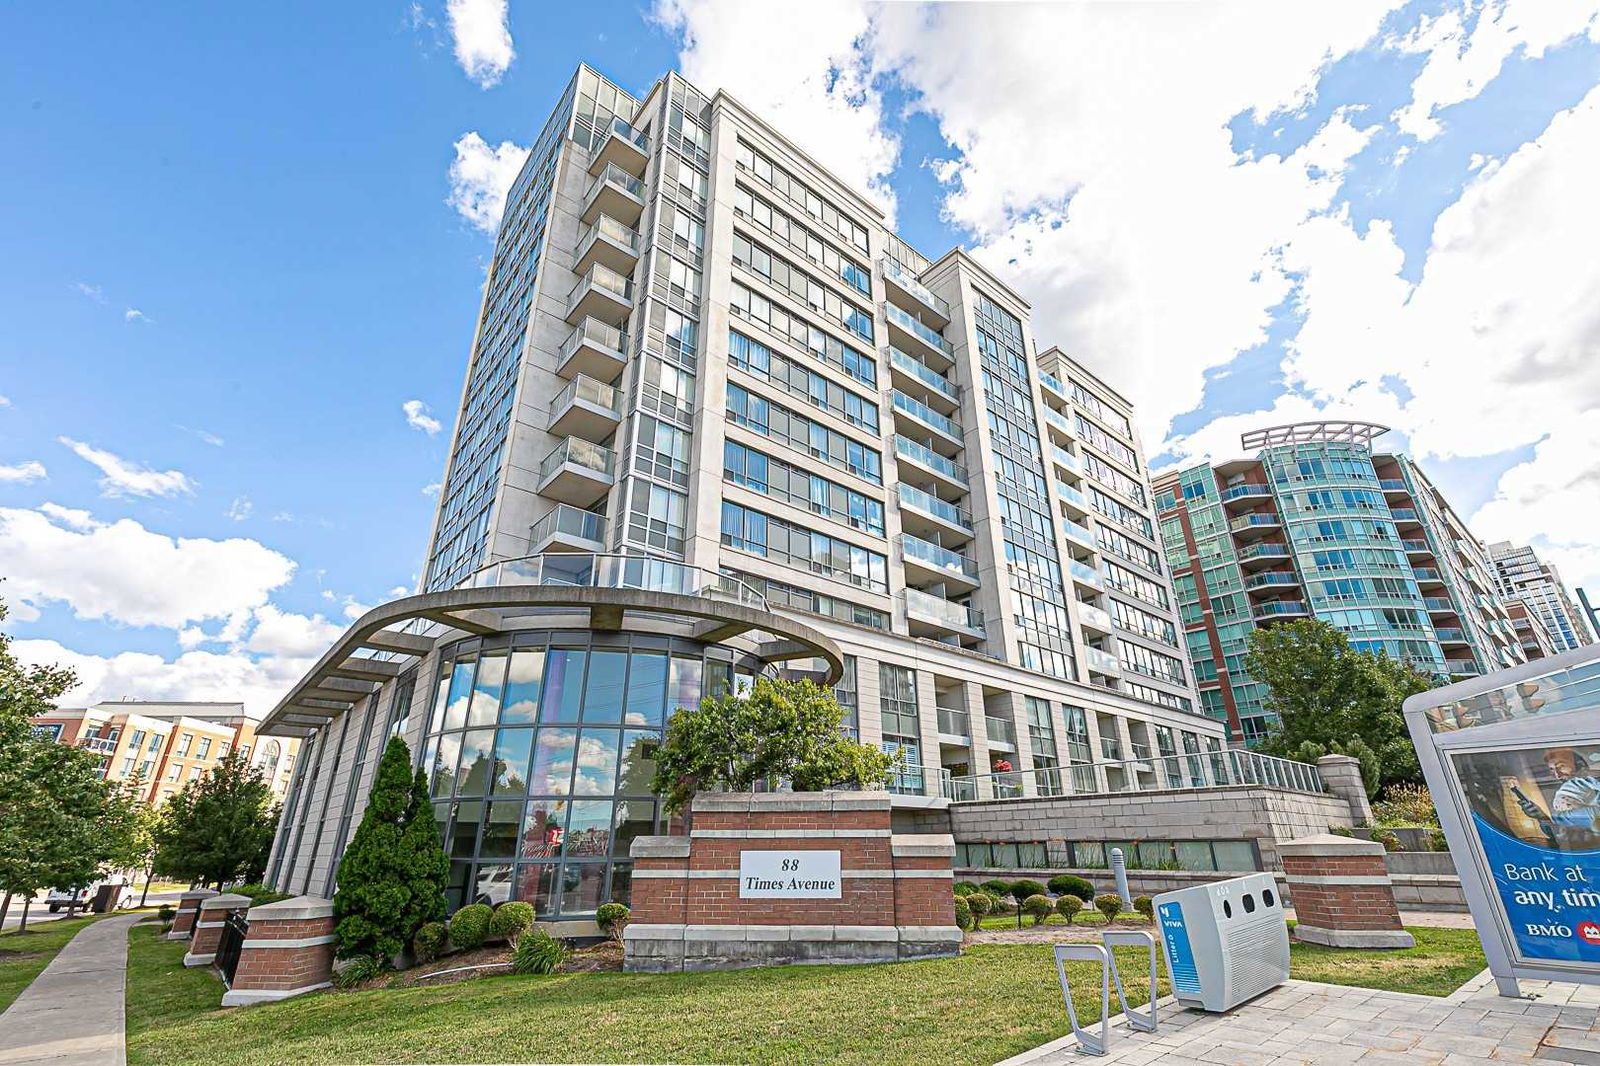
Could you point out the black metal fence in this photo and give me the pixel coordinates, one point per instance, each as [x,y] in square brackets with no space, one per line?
[234,931]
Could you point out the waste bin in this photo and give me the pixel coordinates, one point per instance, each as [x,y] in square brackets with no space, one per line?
[105,898]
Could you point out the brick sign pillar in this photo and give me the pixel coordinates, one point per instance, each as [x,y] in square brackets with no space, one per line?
[288,951]
[1342,894]
[188,910]
[208,927]
[771,878]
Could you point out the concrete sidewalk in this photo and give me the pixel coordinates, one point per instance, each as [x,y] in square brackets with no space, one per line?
[72,1014]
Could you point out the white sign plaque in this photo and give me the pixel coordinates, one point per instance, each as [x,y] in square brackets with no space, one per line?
[789,875]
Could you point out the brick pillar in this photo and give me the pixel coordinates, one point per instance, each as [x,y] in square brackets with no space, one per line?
[888,896]
[1342,775]
[188,909]
[1342,894]
[287,952]
[208,928]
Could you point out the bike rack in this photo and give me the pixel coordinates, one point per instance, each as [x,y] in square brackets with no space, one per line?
[1087,1041]
[1142,1020]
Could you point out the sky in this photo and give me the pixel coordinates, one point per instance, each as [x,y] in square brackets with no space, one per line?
[242,260]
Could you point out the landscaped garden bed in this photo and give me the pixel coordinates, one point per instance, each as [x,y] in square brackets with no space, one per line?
[993,1001]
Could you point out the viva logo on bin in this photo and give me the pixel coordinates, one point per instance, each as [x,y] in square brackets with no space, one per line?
[1180,953]
[1551,898]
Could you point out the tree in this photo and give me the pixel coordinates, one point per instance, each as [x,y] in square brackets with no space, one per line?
[392,877]
[129,826]
[780,730]
[50,794]
[1332,698]
[217,827]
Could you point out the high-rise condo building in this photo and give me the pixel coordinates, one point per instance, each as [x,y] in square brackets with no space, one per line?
[1521,576]
[719,422]
[1316,524]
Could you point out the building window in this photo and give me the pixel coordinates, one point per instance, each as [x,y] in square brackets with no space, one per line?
[184,741]
[205,748]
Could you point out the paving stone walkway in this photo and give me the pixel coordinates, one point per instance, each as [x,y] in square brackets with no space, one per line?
[1309,1024]
[72,1014]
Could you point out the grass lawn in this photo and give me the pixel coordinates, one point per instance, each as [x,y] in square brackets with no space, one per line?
[994,1001]
[24,955]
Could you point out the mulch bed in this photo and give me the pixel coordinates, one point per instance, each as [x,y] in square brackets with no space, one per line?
[492,961]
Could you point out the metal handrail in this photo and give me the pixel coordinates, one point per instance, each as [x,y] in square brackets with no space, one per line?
[616,571]
[1229,768]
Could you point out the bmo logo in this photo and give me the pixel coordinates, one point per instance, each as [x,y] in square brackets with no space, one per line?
[1589,932]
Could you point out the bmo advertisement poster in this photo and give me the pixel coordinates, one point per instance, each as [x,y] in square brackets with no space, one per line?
[1536,811]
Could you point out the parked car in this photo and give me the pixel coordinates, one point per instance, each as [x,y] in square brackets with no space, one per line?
[61,898]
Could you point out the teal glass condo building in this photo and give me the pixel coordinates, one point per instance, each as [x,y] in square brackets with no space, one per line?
[1319,524]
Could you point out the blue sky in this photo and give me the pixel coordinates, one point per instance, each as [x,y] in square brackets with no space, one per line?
[232,259]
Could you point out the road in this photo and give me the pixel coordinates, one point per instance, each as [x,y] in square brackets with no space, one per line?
[40,912]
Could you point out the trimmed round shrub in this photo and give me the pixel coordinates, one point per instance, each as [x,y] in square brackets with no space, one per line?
[166,912]
[1002,905]
[1068,907]
[1021,890]
[997,889]
[965,888]
[612,918]
[1072,885]
[428,944]
[1038,908]
[1145,906]
[1108,904]
[979,904]
[963,912]
[469,926]
[537,953]
[510,920]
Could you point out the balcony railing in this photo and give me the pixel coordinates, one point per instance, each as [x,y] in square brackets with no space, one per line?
[1390,484]
[1278,608]
[925,455]
[1439,603]
[924,373]
[635,137]
[609,228]
[911,496]
[1085,573]
[615,175]
[1094,617]
[1067,492]
[594,333]
[571,522]
[954,723]
[918,409]
[932,555]
[1415,546]
[931,337]
[1248,490]
[1259,551]
[587,389]
[1001,729]
[1426,573]
[1101,661]
[1231,768]
[1057,419]
[957,790]
[1110,749]
[902,277]
[584,570]
[603,278]
[926,607]
[1403,514]
[1066,459]
[578,452]
[1050,381]
[1462,667]
[1255,521]
[1270,579]
[1079,532]
[1450,634]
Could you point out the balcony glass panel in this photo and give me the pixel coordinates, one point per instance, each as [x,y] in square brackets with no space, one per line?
[929,336]
[927,414]
[928,457]
[911,496]
[579,453]
[572,522]
[904,279]
[933,555]
[924,373]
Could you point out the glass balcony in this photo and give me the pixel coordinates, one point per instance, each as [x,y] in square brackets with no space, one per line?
[959,517]
[1427,575]
[1392,485]
[614,192]
[940,563]
[609,242]
[1225,769]
[1001,731]
[1255,523]
[568,529]
[922,372]
[1101,662]
[930,615]
[1111,749]
[1077,499]
[1278,609]
[586,570]
[1270,579]
[1058,421]
[621,146]
[929,339]
[1416,546]
[1250,490]
[1404,514]
[577,471]
[1439,604]
[595,350]
[906,282]
[954,723]
[1096,618]
[585,408]
[1450,635]
[1085,574]
[1065,459]
[921,453]
[604,294]
[1263,553]
[1053,383]
[1462,667]
[1079,533]
[949,427]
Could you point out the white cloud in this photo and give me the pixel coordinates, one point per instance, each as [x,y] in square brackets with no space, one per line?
[125,478]
[122,572]
[419,417]
[205,435]
[1460,63]
[93,292]
[240,508]
[482,39]
[811,76]
[23,472]
[258,682]
[133,314]
[279,632]
[432,488]
[480,177]
[5,401]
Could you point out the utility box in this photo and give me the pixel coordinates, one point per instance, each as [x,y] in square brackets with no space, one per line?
[1225,942]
